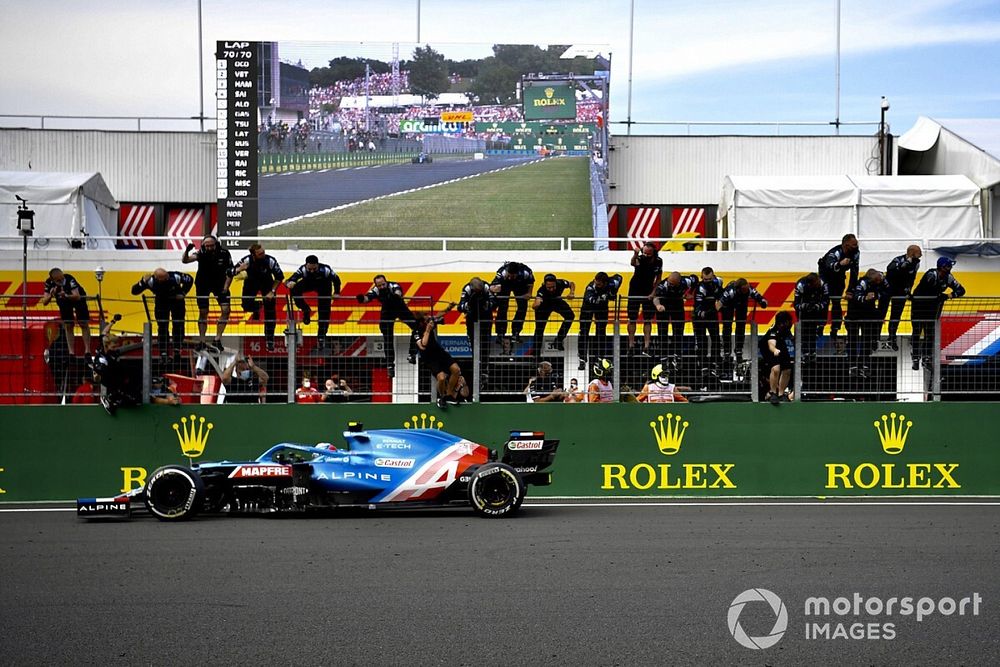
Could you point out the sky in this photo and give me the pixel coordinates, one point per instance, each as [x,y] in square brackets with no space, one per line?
[721,61]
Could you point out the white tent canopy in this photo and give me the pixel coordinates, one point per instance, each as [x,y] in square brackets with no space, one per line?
[816,209]
[73,205]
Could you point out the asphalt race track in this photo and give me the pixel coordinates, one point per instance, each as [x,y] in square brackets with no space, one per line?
[290,194]
[577,585]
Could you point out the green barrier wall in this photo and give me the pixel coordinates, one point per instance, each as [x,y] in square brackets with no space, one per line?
[58,453]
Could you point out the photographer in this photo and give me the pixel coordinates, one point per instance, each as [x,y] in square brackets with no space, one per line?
[336,389]
[245,381]
[72,302]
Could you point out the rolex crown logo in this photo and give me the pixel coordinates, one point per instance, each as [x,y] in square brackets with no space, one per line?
[669,433]
[549,92]
[891,432]
[193,435]
[423,421]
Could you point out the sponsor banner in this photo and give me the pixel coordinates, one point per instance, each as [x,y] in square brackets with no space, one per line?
[543,101]
[819,450]
[525,129]
[423,127]
[456,346]
[456,116]
[424,289]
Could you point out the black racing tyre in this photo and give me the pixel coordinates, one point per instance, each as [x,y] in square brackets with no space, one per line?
[174,493]
[496,490]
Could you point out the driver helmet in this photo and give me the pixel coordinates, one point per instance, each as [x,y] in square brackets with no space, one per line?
[602,368]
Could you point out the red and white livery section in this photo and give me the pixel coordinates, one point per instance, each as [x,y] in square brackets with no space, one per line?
[437,474]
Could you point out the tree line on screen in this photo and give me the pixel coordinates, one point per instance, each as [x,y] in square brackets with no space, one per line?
[490,80]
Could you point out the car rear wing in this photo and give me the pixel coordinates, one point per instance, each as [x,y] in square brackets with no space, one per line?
[530,453]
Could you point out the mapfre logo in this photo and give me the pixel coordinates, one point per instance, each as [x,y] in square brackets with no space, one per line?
[193,435]
[893,431]
[668,434]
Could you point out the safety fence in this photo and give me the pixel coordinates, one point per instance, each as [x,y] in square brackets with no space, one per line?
[334,350]
[279,163]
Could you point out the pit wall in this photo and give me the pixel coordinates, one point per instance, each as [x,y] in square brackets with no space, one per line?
[430,277]
[620,450]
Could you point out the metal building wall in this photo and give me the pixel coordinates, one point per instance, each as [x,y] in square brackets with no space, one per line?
[690,170]
[148,167]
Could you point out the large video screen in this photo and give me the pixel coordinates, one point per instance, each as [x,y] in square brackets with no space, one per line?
[359,141]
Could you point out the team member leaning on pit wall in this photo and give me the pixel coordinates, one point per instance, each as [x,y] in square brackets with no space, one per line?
[900,274]
[169,290]
[213,277]
[928,300]
[647,269]
[324,282]
[839,269]
[263,276]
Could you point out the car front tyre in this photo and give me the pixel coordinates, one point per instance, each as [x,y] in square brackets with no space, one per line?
[174,493]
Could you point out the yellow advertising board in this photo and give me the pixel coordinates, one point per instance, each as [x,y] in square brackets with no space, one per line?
[426,291]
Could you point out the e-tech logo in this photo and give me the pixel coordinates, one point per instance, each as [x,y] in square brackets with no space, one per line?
[893,431]
[668,433]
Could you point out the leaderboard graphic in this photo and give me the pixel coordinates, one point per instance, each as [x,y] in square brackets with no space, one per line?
[340,139]
[236,101]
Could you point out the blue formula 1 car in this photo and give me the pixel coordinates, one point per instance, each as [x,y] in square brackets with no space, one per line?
[381,469]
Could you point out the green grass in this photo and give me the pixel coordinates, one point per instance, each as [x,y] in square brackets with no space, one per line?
[547,198]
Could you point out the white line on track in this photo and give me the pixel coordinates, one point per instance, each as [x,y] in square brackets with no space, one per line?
[817,503]
[856,503]
[343,169]
[341,207]
[323,171]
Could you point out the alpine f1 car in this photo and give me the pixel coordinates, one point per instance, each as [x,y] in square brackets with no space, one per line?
[380,469]
[422,158]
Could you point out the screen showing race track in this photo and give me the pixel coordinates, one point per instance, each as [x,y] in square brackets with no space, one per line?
[410,140]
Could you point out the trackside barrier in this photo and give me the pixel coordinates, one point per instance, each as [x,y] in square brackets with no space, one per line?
[276,163]
[620,450]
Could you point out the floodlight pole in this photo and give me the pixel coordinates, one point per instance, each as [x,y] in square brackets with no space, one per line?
[201,75]
[882,139]
[631,27]
[25,227]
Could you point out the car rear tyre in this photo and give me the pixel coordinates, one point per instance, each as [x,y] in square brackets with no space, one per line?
[174,493]
[496,490]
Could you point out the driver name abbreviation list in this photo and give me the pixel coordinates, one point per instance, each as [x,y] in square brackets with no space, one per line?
[236,69]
